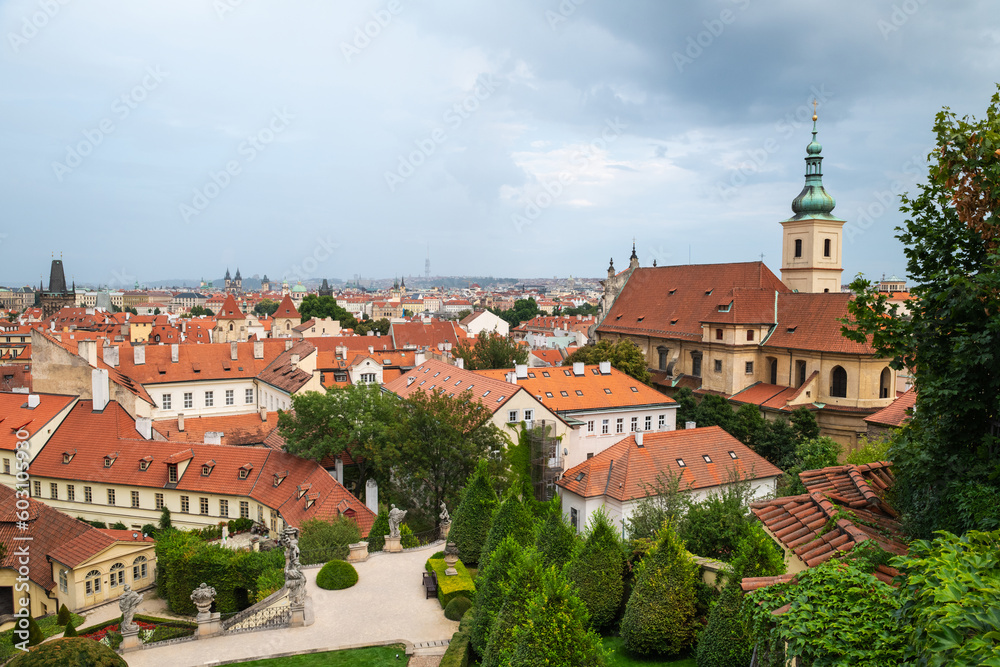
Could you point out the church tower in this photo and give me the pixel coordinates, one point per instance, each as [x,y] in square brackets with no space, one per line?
[812,238]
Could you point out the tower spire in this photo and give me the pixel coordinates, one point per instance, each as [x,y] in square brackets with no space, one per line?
[814,201]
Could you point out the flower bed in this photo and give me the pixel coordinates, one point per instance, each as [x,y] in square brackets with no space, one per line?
[151,629]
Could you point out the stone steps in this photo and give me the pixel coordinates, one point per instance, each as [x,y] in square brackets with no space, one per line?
[437,647]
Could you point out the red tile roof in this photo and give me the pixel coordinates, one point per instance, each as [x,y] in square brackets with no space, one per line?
[213,361]
[230,310]
[426,334]
[281,374]
[246,429]
[624,470]
[812,322]
[590,391]
[772,396]
[287,308]
[15,415]
[434,375]
[896,413]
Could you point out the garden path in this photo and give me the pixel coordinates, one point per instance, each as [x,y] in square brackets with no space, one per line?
[386,605]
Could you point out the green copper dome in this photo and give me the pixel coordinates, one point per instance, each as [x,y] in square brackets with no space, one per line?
[813,202]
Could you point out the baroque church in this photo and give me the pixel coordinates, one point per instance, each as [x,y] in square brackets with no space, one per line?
[739,331]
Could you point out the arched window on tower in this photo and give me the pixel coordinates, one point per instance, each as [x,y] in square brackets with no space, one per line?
[885,383]
[838,382]
[798,247]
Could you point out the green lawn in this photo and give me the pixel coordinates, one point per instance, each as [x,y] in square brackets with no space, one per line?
[617,657]
[47,625]
[375,656]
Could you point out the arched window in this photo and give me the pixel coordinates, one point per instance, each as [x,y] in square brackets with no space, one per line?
[885,383]
[838,382]
[92,582]
[773,369]
[117,574]
[230,326]
[139,570]
[288,325]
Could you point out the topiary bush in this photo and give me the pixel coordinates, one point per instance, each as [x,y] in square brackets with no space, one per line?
[118,525]
[512,519]
[597,571]
[337,575]
[472,519]
[493,584]
[69,652]
[376,536]
[407,539]
[35,634]
[457,653]
[150,530]
[527,581]
[321,541]
[725,641]
[660,614]
[457,607]
[556,538]
[70,631]
[63,618]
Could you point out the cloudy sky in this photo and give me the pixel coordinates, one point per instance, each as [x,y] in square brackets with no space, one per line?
[159,140]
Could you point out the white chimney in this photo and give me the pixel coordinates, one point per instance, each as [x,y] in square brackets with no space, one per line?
[512,377]
[144,425]
[213,437]
[263,414]
[419,358]
[87,349]
[521,370]
[234,351]
[371,349]
[288,345]
[688,425]
[180,421]
[111,355]
[139,355]
[460,362]
[258,349]
[638,438]
[174,353]
[33,401]
[578,368]
[605,367]
[295,361]
[410,380]
[99,388]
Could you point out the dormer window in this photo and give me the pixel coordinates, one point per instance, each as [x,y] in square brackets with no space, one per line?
[144,462]
[301,490]
[110,459]
[245,470]
[206,469]
[68,456]
[279,477]
[311,499]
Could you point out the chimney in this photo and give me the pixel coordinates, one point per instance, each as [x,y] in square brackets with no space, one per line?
[689,425]
[410,380]
[139,355]
[460,362]
[174,353]
[605,367]
[288,345]
[521,370]
[578,368]
[295,361]
[512,377]
[87,349]
[234,351]
[638,439]
[99,388]
[258,349]
[371,333]
[419,358]
[263,414]
[33,401]
[371,349]
[144,425]
[213,437]
[111,355]
[180,421]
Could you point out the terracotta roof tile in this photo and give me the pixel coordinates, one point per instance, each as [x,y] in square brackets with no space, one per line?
[436,375]
[896,413]
[246,429]
[15,415]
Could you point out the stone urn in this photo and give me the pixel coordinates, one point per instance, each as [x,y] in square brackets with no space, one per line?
[203,597]
[450,558]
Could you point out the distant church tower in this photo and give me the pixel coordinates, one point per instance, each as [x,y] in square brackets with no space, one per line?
[265,284]
[812,238]
[237,283]
[57,296]
[325,289]
[229,280]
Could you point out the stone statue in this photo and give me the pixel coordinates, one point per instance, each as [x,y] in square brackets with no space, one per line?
[291,539]
[203,597]
[444,516]
[396,517]
[295,580]
[128,602]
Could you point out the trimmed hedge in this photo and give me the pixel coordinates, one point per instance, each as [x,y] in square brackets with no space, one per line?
[471,524]
[69,652]
[449,588]
[457,654]
[379,529]
[494,581]
[337,575]
[556,538]
[725,641]
[457,607]
[512,519]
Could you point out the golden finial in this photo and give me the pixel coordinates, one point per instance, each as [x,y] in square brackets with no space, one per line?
[815,117]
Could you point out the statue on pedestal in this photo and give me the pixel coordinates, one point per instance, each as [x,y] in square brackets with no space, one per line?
[396,517]
[203,597]
[444,516]
[295,580]
[128,602]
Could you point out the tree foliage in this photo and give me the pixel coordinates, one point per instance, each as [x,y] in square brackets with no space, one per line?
[726,640]
[491,350]
[555,633]
[472,518]
[265,307]
[597,570]
[321,541]
[526,581]
[660,614]
[623,354]
[556,539]
[811,454]
[322,307]
[714,526]
[666,499]
[198,311]
[69,652]
[523,310]
[951,338]
[492,586]
[511,520]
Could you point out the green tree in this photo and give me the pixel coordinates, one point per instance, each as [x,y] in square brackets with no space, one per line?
[265,307]
[666,499]
[949,454]
[474,515]
[713,527]
[810,455]
[756,555]
[555,633]
[321,540]
[584,310]
[165,523]
[198,311]
[623,354]
[597,570]
[379,529]
[804,424]
[511,520]
[380,326]
[156,311]
[687,406]
[523,310]
[660,614]
[361,419]
[324,307]
[726,640]
[715,410]
[491,350]
[492,585]
[525,583]
[777,444]
[749,426]
[556,538]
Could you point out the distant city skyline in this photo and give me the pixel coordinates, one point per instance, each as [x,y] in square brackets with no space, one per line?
[516,139]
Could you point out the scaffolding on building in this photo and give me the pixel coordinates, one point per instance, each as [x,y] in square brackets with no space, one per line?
[546,458]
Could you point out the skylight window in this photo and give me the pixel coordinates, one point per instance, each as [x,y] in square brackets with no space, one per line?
[607,391]
[579,392]
[564,393]
[708,459]
[545,374]
[732,454]
[500,400]
[548,394]
[579,476]
[681,463]
[438,373]
[635,390]
[567,373]
[486,393]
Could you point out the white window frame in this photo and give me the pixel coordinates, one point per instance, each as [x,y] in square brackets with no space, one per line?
[209,399]
[166,401]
